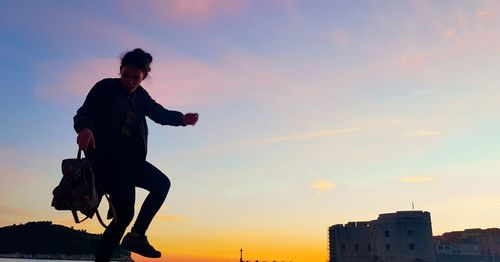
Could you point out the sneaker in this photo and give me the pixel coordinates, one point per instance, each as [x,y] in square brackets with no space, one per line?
[136,243]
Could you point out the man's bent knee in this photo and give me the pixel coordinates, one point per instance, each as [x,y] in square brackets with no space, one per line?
[164,185]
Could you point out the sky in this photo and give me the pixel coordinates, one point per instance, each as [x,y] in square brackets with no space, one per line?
[312,113]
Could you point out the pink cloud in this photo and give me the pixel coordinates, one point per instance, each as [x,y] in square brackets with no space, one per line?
[182,81]
[187,12]
[291,7]
[484,13]
[414,60]
[200,12]
[452,35]
[200,9]
[178,81]
[339,36]
[74,80]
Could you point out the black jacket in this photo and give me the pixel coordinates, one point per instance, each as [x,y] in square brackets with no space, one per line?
[105,108]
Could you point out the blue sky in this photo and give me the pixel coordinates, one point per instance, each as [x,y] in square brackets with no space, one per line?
[312,113]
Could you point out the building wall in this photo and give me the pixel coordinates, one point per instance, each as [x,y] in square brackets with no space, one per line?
[403,236]
[465,258]
[350,243]
[475,242]
[458,249]
[399,237]
[490,242]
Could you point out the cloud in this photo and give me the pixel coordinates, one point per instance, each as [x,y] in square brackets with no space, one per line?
[412,95]
[175,218]
[452,35]
[200,9]
[413,60]
[202,12]
[340,37]
[484,13]
[14,211]
[185,81]
[323,185]
[309,135]
[416,179]
[193,12]
[74,80]
[425,133]
[292,8]
[238,145]
[473,30]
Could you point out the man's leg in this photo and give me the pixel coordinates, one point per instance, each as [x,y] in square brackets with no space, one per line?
[153,180]
[122,198]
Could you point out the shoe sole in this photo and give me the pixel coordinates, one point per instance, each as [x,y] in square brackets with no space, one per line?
[135,251]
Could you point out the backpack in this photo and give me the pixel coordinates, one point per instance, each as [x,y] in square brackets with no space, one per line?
[77,190]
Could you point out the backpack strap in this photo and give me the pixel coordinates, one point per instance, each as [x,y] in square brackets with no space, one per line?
[75,216]
[99,215]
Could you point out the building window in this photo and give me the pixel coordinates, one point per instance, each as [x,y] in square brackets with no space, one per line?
[356,247]
[411,246]
[388,247]
[369,248]
[342,248]
[387,233]
[410,233]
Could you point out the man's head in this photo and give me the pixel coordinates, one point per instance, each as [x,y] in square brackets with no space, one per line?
[135,66]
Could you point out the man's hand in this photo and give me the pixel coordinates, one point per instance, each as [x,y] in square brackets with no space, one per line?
[190,119]
[85,139]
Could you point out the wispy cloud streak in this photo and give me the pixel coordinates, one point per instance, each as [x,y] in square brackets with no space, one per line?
[425,133]
[175,218]
[310,135]
[193,12]
[416,179]
[14,211]
[323,185]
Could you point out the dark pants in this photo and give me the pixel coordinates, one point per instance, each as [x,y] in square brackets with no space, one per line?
[119,181]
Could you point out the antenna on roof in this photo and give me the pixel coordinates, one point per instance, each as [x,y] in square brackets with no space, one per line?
[412,205]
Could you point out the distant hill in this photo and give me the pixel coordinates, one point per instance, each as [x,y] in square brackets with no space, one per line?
[46,240]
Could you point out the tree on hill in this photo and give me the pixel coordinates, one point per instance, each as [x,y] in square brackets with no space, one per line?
[43,237]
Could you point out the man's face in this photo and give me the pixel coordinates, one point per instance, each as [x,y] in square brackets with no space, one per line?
[131,77]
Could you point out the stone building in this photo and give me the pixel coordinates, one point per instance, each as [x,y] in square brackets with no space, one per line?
[470,245]
[404,236]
